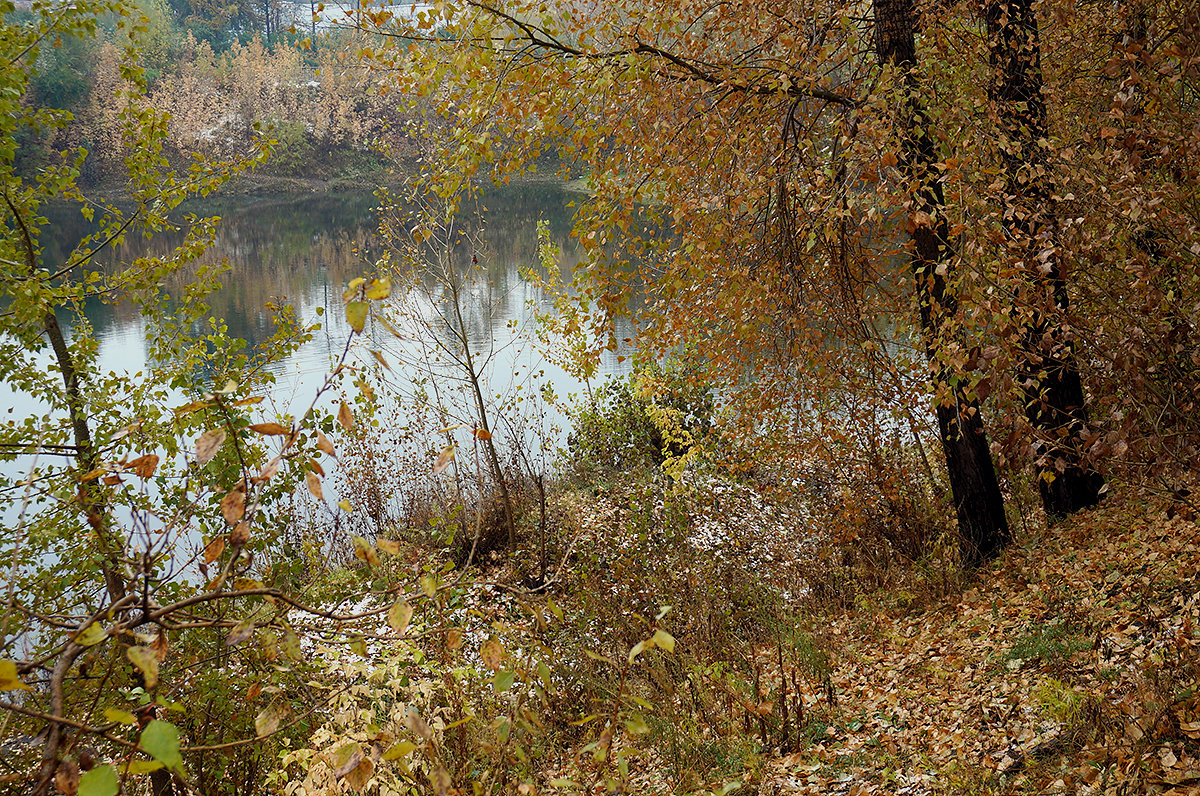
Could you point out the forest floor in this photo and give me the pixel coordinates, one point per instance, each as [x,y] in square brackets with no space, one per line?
[1069,666]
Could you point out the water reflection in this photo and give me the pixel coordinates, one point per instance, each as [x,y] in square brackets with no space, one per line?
[303,250]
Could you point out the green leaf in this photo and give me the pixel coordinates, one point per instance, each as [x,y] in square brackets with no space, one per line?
[160,740]
[563,782]
[119,716]
[100,781]
[143,766]
[91,635]
[503,680]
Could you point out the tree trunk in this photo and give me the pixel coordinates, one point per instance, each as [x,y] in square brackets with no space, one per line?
[975,490]
[1046,371]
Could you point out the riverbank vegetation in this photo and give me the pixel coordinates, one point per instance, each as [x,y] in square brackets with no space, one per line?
[897,497]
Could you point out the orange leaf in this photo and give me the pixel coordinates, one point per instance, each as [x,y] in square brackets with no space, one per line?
[213,550]
[269,429]
[144,466]
[314,484]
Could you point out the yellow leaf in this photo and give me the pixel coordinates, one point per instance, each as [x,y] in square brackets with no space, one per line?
[399,615]
[663,640]
[352,288]
[8,678]
[379,288]
[443,460]
[91,635]
[119,716]
[344,505]
[267,721]
[399,749]
[356,315]
[145,661]
[389,546]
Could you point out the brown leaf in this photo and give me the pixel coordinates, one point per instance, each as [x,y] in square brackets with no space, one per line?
[269,429]
[66,778]
[233,505]
[268,472]
[417,724]
[242,631]
[213,550]
[159,645]
[323,444]
[492,654]
[207,445]
[358,776]
[144,466]
[483,434]
[440,779]
[240,534]
[345,418]
[314,484]
[346,759]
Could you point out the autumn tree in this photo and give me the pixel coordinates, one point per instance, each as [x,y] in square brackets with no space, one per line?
[1047,373]
[974,487]
[754,173]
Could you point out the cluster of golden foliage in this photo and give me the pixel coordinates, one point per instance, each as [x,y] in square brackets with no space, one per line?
[748,175]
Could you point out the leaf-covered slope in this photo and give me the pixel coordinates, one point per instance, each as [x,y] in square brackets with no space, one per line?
[1070,666]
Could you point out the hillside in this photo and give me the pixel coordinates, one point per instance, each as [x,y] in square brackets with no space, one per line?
[1069,666]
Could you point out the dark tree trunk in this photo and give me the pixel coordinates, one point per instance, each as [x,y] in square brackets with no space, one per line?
[1047,373]
[973,485]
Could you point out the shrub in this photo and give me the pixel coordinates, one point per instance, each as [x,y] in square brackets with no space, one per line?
[657,417]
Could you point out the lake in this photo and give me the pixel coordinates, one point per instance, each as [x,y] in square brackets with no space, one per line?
[304,249]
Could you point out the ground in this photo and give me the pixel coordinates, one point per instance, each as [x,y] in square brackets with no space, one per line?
[1068,666]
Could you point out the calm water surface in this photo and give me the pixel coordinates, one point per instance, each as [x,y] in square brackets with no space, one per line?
[305,249]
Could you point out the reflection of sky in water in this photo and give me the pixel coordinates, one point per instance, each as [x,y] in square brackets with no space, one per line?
[305,250]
